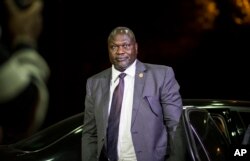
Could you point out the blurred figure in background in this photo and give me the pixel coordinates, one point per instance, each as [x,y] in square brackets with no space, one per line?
[23,73]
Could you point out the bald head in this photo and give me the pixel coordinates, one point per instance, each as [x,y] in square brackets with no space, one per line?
[121,31]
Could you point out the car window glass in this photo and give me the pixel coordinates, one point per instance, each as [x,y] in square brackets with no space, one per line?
[246,138]
[208,136]
[242,121]
[245,116]
[221,124]
[239,127]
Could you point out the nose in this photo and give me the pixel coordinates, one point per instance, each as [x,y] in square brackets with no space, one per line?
[120,49]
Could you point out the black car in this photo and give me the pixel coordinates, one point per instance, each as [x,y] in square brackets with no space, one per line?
[212,130]
[208,129]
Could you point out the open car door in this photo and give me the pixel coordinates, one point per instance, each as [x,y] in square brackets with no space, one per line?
[198,138]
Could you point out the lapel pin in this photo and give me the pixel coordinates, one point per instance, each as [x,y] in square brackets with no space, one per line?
[140,75]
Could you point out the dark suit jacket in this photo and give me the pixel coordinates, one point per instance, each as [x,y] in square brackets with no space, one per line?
[157,107]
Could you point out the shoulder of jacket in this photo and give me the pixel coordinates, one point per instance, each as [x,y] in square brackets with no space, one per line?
[156,66]
[102,74]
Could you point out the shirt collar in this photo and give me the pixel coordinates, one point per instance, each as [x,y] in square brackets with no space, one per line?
[129,71]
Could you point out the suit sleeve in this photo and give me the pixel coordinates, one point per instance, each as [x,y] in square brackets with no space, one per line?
[171,102]
[89,135]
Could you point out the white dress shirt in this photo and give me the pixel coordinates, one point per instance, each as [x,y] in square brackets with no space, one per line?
[125,145]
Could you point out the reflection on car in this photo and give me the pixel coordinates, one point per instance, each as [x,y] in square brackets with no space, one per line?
[207,131]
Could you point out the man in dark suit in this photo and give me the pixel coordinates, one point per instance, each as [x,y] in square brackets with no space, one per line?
[150,109]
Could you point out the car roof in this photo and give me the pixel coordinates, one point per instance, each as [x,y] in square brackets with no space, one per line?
[233,105]
[216,102]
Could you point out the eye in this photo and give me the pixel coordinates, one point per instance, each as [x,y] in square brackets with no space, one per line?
[126,46]
[113,47]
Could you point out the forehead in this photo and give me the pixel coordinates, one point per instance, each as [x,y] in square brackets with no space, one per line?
[121,37]
[121,33]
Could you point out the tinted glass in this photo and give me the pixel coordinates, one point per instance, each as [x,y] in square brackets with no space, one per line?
[207,134]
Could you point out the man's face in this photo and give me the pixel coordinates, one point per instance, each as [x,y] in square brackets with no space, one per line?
[122,51]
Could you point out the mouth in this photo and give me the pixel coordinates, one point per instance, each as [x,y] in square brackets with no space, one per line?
[120,59]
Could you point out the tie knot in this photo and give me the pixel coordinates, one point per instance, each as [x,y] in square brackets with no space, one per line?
[122,75]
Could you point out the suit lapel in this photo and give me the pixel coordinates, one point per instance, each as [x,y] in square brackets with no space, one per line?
[138,88]
[105,83]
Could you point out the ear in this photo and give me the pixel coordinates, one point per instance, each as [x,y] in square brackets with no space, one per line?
[136,48]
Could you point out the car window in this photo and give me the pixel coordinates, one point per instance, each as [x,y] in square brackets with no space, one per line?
[239,127]
[210,142]
[246,139]
[245,116]
[221,124]
[236,119]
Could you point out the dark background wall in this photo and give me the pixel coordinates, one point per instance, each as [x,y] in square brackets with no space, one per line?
[205,47]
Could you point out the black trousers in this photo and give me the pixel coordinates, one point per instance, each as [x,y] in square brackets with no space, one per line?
[103,155]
